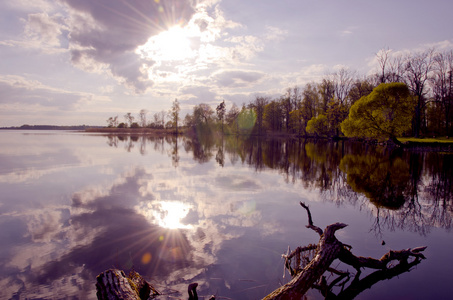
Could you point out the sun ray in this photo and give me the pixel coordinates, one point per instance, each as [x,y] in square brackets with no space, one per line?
[170,45]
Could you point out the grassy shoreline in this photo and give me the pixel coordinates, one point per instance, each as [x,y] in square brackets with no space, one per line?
[426,140]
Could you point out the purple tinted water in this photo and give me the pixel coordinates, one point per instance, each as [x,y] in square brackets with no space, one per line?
[219,213]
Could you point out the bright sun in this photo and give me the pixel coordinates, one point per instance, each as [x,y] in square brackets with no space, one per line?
[166,214]
[170,45]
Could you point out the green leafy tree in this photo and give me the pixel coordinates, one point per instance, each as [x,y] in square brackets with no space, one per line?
[273,116]
[336,113]
[296,121]
[246,120]
[385,113]
[318,125]
[310,102]
[380,179]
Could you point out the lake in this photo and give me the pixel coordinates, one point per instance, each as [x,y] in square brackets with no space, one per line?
[219,212]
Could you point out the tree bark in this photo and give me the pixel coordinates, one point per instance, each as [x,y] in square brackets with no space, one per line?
[329,249]
[113,284]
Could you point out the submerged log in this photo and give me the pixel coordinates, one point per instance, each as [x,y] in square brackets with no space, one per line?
[327,251]
[330,248]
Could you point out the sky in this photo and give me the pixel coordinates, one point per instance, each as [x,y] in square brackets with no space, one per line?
[74,62]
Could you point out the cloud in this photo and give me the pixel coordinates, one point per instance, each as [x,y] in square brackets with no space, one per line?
[27,5]
[105,34]
[275,34]
[23,91]
[120,26]
[237,183]
[311,73]
[197,94]
[345,32]
[237,78]
[108,37]
[245,47]
[48,29]
[17,89]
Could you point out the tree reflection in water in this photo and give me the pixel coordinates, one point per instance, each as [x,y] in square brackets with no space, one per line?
[403,189]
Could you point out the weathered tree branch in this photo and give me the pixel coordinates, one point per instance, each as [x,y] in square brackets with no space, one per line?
[310,220]
[367,262]
[358,286]
[327,250]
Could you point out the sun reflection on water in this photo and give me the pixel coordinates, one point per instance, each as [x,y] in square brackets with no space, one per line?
[166,214]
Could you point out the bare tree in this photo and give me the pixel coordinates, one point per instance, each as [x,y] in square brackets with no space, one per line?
[326,91]
[296,100]
[442,84]
[112,121]
[221,110]
[382,57]
[361,87]
[258,106]
[396,69]
[142,115]
[232,116]
[174,114]
[286,107]
[391,66]
[162,118]
[343,81]
[418,67]
[203,114]
[129,118]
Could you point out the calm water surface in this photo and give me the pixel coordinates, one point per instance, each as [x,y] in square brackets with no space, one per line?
[219,213]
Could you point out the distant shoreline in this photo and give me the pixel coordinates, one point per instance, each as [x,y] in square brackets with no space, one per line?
[110,130]
[428,144]
[51,127]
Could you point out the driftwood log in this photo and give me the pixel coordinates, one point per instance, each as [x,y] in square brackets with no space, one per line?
[114,284]
[330,248]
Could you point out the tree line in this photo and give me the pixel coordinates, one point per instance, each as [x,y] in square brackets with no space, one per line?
[410,94]
[158,121]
